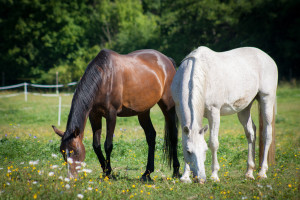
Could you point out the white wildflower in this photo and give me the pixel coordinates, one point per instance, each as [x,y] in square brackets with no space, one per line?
[83,164]
[60,177]
[54,166]
[34,182]
[54,155]
[80,196]
[51,174]
[87,170]
[89,188]
[78,167]
[270,187]
[67,179]
[67,186]
[21,163]
[70,160]
[33,162]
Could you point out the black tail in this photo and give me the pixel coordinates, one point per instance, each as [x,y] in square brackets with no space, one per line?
[171,136]
[173,62]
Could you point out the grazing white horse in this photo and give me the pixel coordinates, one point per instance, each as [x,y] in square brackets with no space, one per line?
[211,84]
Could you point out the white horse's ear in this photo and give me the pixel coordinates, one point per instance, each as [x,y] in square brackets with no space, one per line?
[186,130]
[203,130]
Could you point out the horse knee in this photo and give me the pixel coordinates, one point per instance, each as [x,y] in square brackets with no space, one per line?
[268,135]
[250,136]
[108,147]
[214,144]
[96,146]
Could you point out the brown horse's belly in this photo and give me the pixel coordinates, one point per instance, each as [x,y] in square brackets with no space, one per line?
[142,99]
[127,112]
[141,96]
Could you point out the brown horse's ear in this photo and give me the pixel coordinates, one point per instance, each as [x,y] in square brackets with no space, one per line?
[58,132]
[77,131]
[203,130]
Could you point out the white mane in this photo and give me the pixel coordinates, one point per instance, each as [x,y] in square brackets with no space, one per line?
[196,85]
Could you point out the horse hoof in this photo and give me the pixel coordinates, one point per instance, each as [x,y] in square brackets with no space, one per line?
[110,176]
[249,176]
[176,175]
[215,179]
[146,179]
[201,180]
[261,176]
[185,180]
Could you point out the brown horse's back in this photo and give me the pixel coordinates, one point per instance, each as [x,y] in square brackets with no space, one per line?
[137,82]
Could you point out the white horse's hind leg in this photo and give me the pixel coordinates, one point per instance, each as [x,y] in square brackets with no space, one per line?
[266,104]
[214,124]
[186,174]
[250,131]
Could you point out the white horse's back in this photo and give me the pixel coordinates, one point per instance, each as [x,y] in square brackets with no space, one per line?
[238,75]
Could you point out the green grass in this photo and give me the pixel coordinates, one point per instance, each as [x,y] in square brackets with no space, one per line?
[26,135]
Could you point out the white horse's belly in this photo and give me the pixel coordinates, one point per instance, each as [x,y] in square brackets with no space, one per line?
[229,109]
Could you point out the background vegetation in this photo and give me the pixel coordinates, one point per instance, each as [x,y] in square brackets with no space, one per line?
[31,166]
[40,37]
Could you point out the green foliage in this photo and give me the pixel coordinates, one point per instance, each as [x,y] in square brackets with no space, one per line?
[39,37]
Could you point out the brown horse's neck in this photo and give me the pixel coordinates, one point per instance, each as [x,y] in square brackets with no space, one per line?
[83,99]
[77,116]
[86,92]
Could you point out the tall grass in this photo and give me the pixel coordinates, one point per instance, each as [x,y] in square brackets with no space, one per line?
[26,135]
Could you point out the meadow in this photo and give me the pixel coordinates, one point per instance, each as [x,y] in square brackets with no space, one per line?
[31,166]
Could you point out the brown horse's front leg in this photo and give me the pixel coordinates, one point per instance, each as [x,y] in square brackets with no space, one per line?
[147,125]
[96,123]
[108,145]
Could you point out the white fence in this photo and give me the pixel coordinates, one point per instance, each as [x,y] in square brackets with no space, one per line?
[26,85]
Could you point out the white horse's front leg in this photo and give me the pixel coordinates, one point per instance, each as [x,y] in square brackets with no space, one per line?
[214,124]
[186,174]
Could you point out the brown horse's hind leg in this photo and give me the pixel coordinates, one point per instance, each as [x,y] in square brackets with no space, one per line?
[96,123]
[108,145]
[171,136]
[150,133]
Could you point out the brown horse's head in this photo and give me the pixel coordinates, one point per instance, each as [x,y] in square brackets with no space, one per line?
[72,149]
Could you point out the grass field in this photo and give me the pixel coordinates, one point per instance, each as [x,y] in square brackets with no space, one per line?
[31,166]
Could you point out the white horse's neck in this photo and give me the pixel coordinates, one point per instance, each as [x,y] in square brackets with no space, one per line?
[195,80]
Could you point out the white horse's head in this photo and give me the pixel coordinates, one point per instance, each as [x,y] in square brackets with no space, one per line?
[194,151]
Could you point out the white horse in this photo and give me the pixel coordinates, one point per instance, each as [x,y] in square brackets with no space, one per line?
[211,84]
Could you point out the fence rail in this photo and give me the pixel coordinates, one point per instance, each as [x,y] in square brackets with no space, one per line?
[25,85]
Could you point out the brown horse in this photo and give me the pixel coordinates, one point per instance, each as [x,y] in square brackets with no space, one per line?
[121,85]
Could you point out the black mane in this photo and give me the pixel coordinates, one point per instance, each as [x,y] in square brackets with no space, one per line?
[86,91]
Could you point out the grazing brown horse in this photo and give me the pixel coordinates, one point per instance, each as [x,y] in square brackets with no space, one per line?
[121,85]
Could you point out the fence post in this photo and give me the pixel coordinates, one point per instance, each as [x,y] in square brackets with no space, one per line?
[59,110]
[25,91]
[57,83]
